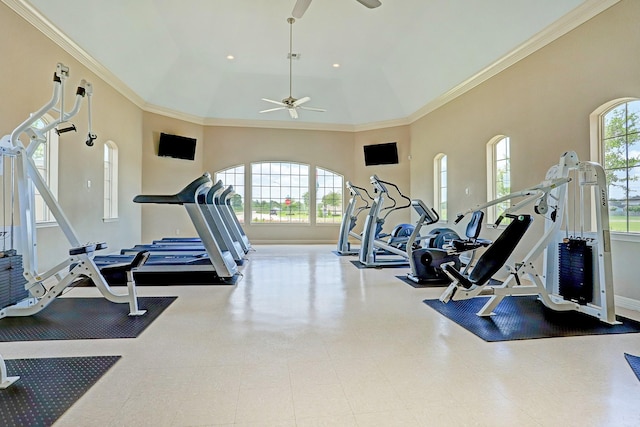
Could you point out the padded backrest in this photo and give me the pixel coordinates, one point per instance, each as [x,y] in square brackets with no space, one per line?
[497,254]
[475,225]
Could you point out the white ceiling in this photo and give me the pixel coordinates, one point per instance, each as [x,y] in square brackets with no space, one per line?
[394,59]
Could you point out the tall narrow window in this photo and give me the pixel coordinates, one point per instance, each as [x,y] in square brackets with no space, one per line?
[234,176]
[620,152]
[440,185]
[45,158]
[280,193]
[329,197]
[110,180]
[499,174]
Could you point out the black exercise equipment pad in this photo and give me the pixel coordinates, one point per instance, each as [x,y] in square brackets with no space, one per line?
[48,387]
[524,317]
[634,362]
[361,266]
[83,318]
[425,284]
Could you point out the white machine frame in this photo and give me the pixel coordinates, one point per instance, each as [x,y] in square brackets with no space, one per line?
[80,261]
[349,218]
[369,255]
[553,191]
[5,379]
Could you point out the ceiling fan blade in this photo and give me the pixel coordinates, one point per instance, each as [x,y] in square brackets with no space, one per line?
[322,110]
[293,113]
[273,109]
[301,101]
[300,8]
[275,102]
[371,4]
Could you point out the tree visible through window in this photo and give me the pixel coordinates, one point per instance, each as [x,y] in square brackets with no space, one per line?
[279,192]
[621,153]
[329,198]
[234,176]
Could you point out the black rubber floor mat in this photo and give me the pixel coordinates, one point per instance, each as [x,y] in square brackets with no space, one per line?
[336,253]
[48,387]
[426,284]
[361,266]
[634,362]
[83,318]
[524,317]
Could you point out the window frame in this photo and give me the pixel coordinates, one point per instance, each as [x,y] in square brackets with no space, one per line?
[492,176]
[110,181]
[51,173]
[311,216]
[238,189]
[597,154]
[438,187]
[336,218]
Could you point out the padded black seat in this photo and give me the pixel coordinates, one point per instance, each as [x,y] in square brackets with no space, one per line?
[473,231]
[186,195]
[122,272]
[496,255]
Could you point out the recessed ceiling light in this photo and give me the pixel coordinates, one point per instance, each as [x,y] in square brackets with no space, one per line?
[231,57]
[336,65]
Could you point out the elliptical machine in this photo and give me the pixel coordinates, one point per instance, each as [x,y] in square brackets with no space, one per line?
[350,219]
[441,246]
[374,250]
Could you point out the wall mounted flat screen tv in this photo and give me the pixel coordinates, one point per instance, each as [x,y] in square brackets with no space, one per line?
[381,154]
[179,147]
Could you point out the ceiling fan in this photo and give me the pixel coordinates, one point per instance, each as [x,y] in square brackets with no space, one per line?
[301,6]
[290,103]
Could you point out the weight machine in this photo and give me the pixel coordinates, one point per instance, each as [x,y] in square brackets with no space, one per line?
[43,288]
[350,218]
[578,273]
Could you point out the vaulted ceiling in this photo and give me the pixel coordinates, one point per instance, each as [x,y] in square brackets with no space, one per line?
[395,60]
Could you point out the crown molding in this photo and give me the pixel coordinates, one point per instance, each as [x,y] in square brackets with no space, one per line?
[280,124]
[568,22]
[562,26]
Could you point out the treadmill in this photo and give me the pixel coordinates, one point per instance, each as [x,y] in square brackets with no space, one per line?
[212,266]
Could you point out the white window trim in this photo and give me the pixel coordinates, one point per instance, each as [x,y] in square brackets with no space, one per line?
[491,177]
[315,196]
[52,148]
[437,184]
[312,196]
[235,188]
[596,155]
[113,171]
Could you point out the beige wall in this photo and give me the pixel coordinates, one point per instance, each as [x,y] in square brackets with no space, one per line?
[543,104]
[28,62]
[166,175]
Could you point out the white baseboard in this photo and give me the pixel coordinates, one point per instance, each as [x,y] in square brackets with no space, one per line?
[628,303]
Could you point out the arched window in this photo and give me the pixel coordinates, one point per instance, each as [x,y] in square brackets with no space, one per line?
[45,158]
[329,196]
[234,176]
[619,154]
[498,174]
[110,180]
[280,193]
[440,185]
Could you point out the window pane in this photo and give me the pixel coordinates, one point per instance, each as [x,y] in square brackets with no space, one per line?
[329,196]
[633,117]
[280,193]
[615,153]
[235,176]
[615,122]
